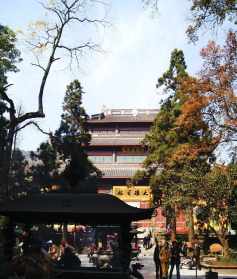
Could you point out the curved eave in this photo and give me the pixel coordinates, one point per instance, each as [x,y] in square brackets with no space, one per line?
[104,121]
[120,144]
[78,208]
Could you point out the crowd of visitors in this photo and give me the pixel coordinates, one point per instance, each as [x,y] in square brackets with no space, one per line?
[167,256]
[103,253]
[31,249]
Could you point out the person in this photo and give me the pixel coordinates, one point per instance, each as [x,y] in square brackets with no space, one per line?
[196,249]
[156,258]
[33,264]
[184,249]
[62,247]
[164,259]
[69,260]
[175,259]
[145,242]
[195,240]
[91,252]
[115,261]
[149,240]
[206,241]
[99,244]
[196,255]
[54,252]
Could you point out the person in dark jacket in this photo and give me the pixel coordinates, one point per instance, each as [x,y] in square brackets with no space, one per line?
[175,259]
[196,255]
[69,260]
[164,259]
[156,258]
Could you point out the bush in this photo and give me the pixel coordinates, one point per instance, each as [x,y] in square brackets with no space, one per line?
[232,259]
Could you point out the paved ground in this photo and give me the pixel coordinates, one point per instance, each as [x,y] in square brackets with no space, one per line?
[149,271]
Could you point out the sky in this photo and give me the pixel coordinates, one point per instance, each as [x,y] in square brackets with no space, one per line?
[136,47]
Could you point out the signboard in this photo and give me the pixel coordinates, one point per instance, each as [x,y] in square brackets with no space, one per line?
[133,149]
[133,193]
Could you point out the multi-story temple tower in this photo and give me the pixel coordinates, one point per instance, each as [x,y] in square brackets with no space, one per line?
[117,151]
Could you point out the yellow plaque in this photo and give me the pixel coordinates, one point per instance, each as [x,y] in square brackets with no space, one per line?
[133,193]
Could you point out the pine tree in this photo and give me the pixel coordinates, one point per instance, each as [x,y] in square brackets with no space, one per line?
[63,160]
[71,140]
[44,170]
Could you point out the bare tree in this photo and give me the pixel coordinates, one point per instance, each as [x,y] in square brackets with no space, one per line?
[52,39]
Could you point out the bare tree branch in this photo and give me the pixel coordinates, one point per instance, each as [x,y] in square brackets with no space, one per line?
[80,47]
[65,11]
[38,64]
[89,20]
[36,125]
[54,10]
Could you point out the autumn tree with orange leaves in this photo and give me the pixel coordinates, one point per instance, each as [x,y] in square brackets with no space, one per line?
[178,155]
[212,95]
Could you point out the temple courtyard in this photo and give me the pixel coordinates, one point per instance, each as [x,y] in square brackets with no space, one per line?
[149,271]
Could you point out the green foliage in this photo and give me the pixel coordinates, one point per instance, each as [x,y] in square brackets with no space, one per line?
[71,139]
[163,139]
[204,13]
[18,174]
[177,69]
[139,176]
[218,194]
[45,166]
[178,156]
[167,141]
[210,13]
[72,131]
[230,260]
[9,55]
[64,161]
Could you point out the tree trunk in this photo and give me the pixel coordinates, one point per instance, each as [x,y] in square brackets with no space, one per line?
[226,248]
[171,222]
[190,224]
[173,227]
[7,162]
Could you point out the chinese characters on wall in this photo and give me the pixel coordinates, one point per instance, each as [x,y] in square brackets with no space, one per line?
[133,193]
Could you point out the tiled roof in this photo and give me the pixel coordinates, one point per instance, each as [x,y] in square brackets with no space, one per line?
[107,141]
[80,208]
[125,115]
[117,171]
[124,118]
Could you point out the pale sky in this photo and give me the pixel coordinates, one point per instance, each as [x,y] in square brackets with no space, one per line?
[137,49]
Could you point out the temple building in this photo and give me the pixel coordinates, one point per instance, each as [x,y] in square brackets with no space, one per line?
[117,150]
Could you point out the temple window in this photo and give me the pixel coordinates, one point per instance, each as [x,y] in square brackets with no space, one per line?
[130,159]
[101,159]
